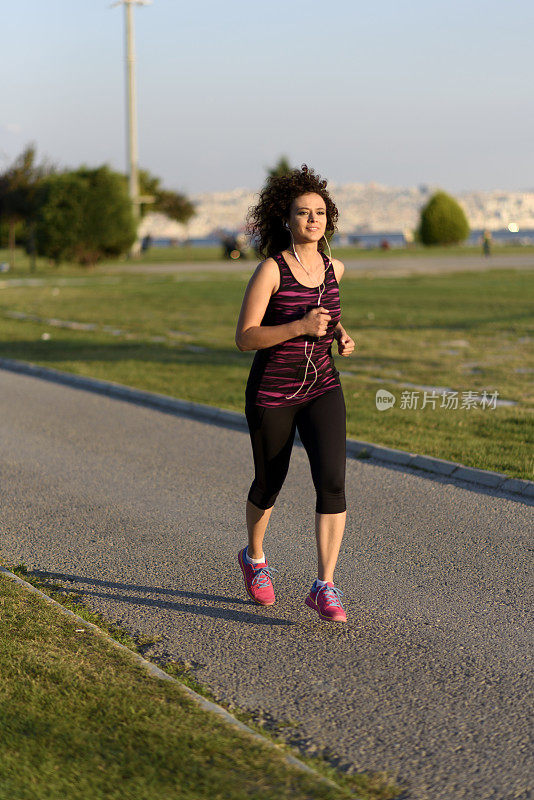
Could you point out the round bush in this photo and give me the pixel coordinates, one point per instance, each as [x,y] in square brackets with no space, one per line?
[442,221]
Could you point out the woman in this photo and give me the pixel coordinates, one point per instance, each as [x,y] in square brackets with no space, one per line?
[290,316]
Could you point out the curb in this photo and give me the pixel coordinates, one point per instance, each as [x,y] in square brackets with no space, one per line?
[236,420]
[156,672]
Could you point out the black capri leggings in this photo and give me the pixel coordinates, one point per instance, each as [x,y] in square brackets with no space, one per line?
[321,423]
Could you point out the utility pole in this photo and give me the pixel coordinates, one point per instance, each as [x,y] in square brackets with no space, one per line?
[133,167]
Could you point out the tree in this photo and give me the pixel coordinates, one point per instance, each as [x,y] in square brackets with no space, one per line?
[84,216]
[174,204]
[281,168]
[442,221]
[18,194]
[149,185]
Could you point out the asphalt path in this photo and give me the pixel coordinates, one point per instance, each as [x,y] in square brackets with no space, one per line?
[377,266]
[142,512]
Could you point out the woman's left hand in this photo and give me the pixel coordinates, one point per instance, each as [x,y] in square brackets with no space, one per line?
[345,345]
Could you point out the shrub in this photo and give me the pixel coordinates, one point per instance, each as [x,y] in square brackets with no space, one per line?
[84,216]
[442,221]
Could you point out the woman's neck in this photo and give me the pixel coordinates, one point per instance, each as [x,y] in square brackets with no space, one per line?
[307,252]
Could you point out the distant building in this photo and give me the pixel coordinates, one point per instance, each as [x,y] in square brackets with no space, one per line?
[363,208]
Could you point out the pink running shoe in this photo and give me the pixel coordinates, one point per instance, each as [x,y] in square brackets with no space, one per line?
[257,579]
[325,600]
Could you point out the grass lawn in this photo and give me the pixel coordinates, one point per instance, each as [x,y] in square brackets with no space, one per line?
[465,331]
[81,720]
[185,253]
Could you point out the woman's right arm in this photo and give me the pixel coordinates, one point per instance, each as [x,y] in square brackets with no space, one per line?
[251,334]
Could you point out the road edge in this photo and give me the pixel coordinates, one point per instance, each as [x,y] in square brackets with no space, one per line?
[234,419]
[157,672]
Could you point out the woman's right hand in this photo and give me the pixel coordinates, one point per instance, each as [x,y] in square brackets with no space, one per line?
[315,322]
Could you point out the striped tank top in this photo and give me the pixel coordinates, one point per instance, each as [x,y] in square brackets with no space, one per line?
[277,372]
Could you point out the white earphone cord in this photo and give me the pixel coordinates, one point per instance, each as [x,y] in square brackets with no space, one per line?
[321,288]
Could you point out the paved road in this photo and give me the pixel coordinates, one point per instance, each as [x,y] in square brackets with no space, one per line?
[377,266]
[143,513]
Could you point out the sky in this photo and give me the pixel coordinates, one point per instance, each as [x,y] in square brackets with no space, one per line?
[399,92]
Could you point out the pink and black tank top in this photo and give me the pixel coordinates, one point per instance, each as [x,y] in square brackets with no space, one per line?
[277,372]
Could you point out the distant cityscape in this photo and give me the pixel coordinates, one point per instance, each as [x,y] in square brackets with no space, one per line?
[364,209]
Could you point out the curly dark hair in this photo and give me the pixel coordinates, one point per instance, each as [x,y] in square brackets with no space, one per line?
[265,220]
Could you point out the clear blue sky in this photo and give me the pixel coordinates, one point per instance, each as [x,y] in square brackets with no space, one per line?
[400,93]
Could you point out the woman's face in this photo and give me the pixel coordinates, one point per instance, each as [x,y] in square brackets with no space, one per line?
[307,218]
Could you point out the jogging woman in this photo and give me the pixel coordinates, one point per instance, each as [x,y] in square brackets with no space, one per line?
[290,316]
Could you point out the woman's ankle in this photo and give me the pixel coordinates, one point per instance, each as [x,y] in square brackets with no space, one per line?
[254,555]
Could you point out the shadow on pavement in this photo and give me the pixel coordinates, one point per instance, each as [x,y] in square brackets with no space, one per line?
[216,613]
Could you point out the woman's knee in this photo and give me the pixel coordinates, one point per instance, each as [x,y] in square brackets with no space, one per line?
[263,496]
[331,502]
[330,491]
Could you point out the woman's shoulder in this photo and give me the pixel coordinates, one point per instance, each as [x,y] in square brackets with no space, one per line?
[268,266]
[339,268]
[268,272]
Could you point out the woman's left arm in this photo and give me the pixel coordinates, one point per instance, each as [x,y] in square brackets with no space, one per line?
[345,344]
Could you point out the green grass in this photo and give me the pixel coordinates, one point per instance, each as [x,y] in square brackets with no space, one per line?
[166,255]
[467,331]
[187,253]
[180,254]
[81,719]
